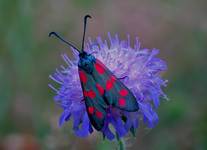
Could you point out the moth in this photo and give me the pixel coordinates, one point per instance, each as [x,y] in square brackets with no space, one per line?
[102,90]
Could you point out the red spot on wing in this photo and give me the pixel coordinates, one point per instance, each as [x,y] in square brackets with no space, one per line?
[110,82]
[100,89]
[99,67]
[100,63]
[91,94]
[123,92]
[113,79]
[99,114]
[83,77]
[90,109]
[85,93]
[122,102]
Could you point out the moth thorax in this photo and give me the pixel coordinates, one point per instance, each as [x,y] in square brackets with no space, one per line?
[86,62]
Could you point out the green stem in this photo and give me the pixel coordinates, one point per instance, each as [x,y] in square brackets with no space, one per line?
[120,142]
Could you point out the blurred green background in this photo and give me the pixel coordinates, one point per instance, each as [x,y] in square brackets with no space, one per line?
[28,115]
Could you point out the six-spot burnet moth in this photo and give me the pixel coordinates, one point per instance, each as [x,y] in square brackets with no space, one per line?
[101,89]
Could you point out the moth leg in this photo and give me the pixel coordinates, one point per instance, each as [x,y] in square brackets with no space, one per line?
[123,78]
[94,53]
[83,100]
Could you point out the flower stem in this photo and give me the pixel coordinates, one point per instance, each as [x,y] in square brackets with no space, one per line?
[121,142]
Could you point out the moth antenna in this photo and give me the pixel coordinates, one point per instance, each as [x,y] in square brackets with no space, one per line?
[64,41]
[84,31]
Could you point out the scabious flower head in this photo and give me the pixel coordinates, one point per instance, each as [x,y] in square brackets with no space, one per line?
[142,69]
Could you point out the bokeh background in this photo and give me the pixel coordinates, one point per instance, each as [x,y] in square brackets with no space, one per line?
[28,114]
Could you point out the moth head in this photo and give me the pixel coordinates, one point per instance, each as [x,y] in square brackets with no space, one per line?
[86,62]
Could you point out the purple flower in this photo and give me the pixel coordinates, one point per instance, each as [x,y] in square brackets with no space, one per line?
[142,68]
